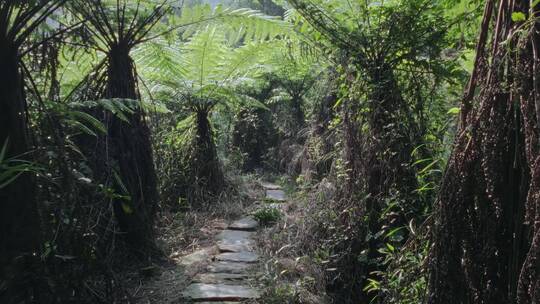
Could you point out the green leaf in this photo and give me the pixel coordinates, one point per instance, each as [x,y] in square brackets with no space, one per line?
[429,166]
[120,182]
[127,208]
[518,16]
[454,111]
[91,120]
[83,128]
[394,231]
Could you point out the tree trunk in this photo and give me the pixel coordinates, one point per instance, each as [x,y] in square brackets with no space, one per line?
[487,233]
[19,220]
[131,153]
[378,165]
[298,113]
[206,163]
[389,146]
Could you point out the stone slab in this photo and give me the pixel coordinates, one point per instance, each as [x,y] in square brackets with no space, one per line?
[243,257]
[269,186]
[227,267]
[219,292]
[235,237]
[277,195]
[245,224]
[222,247]
[198,256]
[219,278]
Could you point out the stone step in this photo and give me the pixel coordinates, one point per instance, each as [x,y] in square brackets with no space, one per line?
[198,256]
[235,237]
[227,267]
[233,248]
[270,186]
[241,257]
[220,278]
[276,195]
[219,292]
[245,224]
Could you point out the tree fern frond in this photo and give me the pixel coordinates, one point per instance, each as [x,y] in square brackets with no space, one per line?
[204,54]
[248,61]
[160,59]
[239,24]
[206,70]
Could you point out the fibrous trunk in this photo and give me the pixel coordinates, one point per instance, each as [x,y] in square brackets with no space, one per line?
[18,209]
[389,148]
[487,232]
[130,153]
[298,112]
[205,159]
[378,165]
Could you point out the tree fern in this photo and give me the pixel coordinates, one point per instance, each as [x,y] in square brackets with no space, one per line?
[211,69]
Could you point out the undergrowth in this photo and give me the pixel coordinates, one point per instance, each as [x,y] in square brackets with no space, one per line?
[267,215]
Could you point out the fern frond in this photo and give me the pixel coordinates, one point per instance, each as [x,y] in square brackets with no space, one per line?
[206,70]
[204,55]
[246,24]
[160,59]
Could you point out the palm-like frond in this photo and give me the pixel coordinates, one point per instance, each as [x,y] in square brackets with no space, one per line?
[210,68]
[160,60]
[119,22]
[244,23]
[18,19]
[249,60]
[204,56]
[373,29]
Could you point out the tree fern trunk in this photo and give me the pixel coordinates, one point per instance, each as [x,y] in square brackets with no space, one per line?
[389,145]
[19,221]
[298,113]
[206,162]
[131,153]
[378,165]
[487,233]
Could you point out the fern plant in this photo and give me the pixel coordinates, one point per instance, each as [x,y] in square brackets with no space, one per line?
[202,75]
[12,168]
[295,72]
[122,159]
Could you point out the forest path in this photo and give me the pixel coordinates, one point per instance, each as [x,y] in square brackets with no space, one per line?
[229,274]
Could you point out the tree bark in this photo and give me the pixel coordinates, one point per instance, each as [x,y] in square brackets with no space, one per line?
[298,112]
[131,154]
[19,219]
[389,145]
[378,165]
[486,239]
[206,163]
